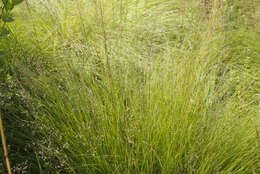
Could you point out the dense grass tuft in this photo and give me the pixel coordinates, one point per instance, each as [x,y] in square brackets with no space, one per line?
[154,86]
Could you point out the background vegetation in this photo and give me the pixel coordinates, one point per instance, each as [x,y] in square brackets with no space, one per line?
[119,86]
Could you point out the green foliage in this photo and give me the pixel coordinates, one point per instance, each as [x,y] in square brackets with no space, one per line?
[5,15]
[16,2]
[2,54]
[132,87]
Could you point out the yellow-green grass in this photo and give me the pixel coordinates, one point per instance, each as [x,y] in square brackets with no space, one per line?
[155,86]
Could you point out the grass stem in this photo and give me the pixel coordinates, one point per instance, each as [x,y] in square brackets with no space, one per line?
[4,146]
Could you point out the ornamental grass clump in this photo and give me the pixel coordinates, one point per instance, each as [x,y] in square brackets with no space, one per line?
[153,86]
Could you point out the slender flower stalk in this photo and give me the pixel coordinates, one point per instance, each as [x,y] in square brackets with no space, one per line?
[4,146]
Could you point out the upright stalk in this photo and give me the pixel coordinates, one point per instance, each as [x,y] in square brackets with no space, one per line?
[4,146]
